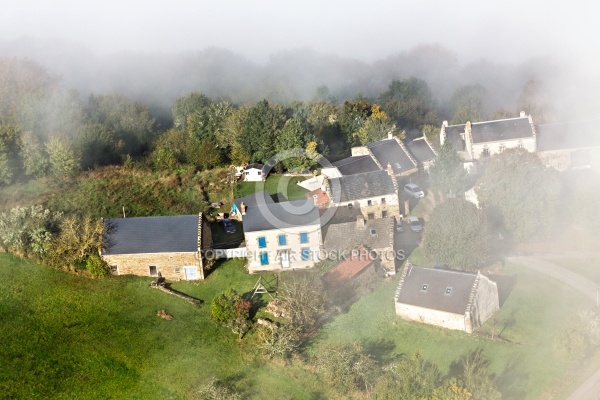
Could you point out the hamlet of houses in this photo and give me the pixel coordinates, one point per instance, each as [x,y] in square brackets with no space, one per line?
[354,203]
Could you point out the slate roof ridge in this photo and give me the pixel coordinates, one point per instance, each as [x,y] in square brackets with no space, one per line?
[410,157]
[473,291]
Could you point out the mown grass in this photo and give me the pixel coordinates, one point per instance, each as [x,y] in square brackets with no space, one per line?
[535,310]
[66,337]
[275,184]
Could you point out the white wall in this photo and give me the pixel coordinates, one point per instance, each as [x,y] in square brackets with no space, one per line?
[273,248]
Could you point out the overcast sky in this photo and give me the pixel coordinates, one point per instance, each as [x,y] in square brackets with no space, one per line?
[507,30]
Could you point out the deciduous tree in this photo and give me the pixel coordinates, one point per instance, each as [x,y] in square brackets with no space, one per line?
[458,235]
[447,174]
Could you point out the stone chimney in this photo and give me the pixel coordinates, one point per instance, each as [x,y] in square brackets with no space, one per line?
[315,199]
[360,222]
[390,135]
[243,208]
[390,170]
[442,133]
[468,139]
[522,114]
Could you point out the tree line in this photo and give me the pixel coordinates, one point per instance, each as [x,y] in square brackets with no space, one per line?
[46,130]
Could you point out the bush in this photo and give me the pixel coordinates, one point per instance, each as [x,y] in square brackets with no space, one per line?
[96,266]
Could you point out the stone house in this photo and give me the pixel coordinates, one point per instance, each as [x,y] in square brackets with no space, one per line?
[279,236]
[376,235]
[375,193]
[173,246]
[390,154]
[445,298]
[569,146]
[473,141]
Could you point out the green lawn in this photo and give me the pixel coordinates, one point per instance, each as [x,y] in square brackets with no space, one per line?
[535,311]
[275,183]
[67,337]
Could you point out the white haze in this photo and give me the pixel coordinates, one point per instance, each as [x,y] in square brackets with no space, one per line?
[503,31]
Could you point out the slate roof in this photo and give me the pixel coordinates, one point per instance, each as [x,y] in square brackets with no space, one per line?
[349,268]
[570,135]
[420,150]
[170,234]
[362,186]
[390,151]
[356,165]
[437,281]
[453,135]
[269,215]
[346,235]
[500,130]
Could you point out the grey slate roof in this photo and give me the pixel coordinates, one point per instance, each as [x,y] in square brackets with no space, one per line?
[346,235]
[356,165]
[499,130]
[138,235]
[569,135]
[437,281]
[453,135]
[389,151]
[268,215]
[420,150]
[362,186]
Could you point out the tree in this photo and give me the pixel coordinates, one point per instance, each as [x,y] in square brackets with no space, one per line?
[409,103]
[78,238]
[28,231]
[34,156]
[62,158]
[10,137]
[261,128]
[215,389]
[458,235]
[279,341]
[230,309]
[185,106]
[303,297]
[453,390]
[376,127]
[447,174]
[289,142]
[467,104]
[521,191]
[345,367]
[413,377]
[98,146]
[477,378]
[352,116]
[534,101]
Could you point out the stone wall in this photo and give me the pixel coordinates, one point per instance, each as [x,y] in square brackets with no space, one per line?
[485,302]
[170,265]
[431,317]
[497,147]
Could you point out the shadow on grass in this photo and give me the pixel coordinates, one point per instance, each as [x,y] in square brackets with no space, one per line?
[505,284]
[512,381]
[381,350]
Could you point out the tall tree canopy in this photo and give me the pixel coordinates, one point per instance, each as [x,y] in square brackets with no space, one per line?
[447,174]
[521,191]
[458,235]
[262,125]
[410,103]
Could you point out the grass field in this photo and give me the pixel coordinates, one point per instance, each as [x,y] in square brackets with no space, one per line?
[534,311]
[67,337]
[285,185]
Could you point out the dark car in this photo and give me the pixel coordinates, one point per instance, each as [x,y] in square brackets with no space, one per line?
[228,226]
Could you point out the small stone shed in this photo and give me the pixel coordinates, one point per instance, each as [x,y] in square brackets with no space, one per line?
[446,298]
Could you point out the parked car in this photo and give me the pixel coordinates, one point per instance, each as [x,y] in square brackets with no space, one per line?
[415,224]
[414,190]
[228,226]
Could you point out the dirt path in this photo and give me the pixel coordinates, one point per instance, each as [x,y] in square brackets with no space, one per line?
[590,389]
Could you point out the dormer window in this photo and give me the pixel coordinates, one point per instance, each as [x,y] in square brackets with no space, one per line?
[448,291]
[424,287]
[373,232]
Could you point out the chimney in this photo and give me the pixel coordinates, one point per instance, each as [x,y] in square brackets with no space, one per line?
[315,199]
[243,208]
[360,222]
[522,114]
[390,170]
[445,123]
[390,135]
